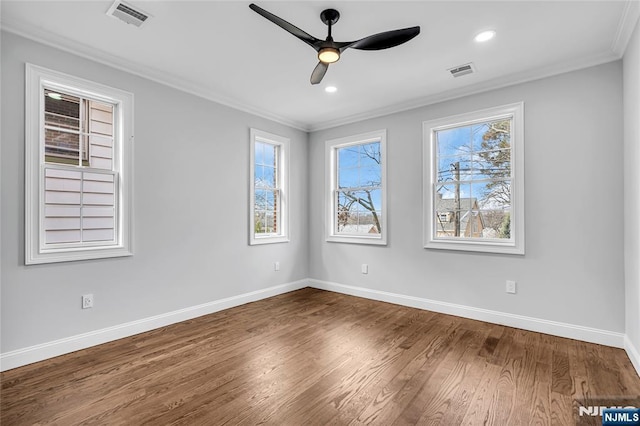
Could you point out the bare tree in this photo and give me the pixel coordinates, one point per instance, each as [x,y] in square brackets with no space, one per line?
[371,151]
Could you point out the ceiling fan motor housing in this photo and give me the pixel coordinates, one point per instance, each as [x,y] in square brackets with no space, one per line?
[330,16]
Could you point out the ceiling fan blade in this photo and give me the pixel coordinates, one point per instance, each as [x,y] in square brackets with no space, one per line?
[307,38]
[383,40]
[318,72]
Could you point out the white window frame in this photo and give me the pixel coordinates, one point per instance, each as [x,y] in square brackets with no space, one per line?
[37,78]
[282,177]
[514,245]
[331,176]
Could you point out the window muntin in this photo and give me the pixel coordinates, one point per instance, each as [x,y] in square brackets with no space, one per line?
[356,189]
[475,184]
[78,169]
[268,210]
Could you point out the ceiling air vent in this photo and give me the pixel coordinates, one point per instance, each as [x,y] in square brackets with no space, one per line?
[462,70]
[127,13]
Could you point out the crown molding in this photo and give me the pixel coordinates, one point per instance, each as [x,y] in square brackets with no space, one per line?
[166,79]
[486,86]
[628,19]
[626,25]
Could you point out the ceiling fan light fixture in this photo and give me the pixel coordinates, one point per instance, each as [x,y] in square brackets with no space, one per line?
[328,55]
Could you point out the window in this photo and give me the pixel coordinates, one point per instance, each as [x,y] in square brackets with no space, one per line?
[356,185]
[78,170]
[268,213]
[473,180]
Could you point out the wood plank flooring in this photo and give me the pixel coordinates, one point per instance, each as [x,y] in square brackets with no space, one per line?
[312,357]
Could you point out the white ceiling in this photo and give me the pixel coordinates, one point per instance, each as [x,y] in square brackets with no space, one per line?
[225,52]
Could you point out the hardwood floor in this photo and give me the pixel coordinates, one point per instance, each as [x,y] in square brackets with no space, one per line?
[316,357]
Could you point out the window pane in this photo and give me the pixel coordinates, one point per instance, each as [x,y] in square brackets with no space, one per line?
[493,194]
[496,223]
[100,117]
[370,200]
[258,153]
[369,222]
[348,157]
[456,141]
[270,155]
[446,193]
[271,200]
[269,176]
[101,151]
[265,177]
[61,110]
[359,211]
[258,177]
[271,222]
[495,135]
[359,166]
[61,147]
[348,177]
[370,176]
[454,168]
[260,222]
[347,201]
[347,211]
[493,164]
[260,200]
[370,154]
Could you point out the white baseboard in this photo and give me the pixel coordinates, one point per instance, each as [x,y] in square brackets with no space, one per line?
[24,356]
[633,352]
[48,350]
[587,334]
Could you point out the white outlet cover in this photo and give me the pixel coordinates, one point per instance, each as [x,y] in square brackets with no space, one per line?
[87,301]
[365,268]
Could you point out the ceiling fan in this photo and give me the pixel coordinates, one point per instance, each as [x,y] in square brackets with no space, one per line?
[329,50]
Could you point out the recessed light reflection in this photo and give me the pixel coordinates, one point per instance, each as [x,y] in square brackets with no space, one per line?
[331,89]
[485,36]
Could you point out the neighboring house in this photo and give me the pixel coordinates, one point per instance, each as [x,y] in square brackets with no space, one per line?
[471,223]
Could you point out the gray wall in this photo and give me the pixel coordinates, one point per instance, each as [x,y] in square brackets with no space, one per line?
[632,188]
[191,195]
[191,201]
[573,268]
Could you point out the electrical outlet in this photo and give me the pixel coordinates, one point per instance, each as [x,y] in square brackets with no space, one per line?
[511,287]
[87,301]
[276,266]
[365,268]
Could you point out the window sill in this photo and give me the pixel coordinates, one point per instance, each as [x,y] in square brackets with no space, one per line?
[256,241]
[82,253]
[356,240]
[477,246]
